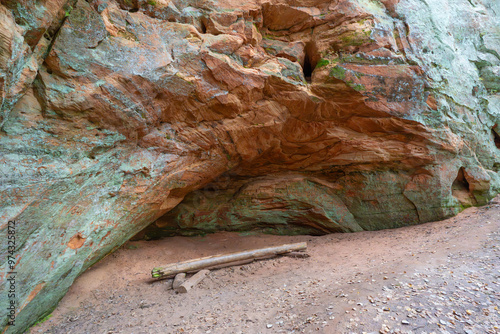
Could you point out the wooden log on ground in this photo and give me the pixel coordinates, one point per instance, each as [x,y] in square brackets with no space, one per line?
[297,255]
[231,264]
[300,255]
[178,280]
[192,281]
[169,284]
[216,260]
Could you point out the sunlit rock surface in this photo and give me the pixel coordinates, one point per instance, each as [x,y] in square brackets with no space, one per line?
[287,116]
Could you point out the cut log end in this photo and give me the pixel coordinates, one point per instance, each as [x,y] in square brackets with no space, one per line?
[192,281]
[178,280]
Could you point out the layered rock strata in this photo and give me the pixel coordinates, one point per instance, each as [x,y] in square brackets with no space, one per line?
[289,116]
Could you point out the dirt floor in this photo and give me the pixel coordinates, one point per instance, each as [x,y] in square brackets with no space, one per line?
[441,277]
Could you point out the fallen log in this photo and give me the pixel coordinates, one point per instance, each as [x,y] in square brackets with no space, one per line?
[297,255]
[169,284]
[192,281]
[178,280]
[171,270]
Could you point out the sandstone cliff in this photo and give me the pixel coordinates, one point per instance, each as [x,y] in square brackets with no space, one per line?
[292,116]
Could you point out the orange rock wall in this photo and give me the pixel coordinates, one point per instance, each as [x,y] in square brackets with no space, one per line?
[286,116]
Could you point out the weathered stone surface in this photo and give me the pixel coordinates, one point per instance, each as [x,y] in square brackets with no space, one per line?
[28,29]
[289,116]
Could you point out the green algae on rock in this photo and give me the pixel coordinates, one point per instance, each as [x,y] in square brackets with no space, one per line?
[200,116]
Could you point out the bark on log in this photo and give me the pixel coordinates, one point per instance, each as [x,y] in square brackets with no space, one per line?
[297,255]
[178,280]
[232,264]
[216,260]
[192,281]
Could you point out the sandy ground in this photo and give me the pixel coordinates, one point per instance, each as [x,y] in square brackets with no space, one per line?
[441,277]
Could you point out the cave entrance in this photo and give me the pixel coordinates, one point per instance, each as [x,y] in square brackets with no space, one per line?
[203,25]
[307,68]
[310,60]
[496,137]
[460,189]
[460,182]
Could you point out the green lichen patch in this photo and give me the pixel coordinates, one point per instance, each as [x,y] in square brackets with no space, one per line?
[322,63]
[357,87]
[338,72]
[43,319]
[356,38]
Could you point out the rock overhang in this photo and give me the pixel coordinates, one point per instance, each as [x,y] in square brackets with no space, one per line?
[290,117]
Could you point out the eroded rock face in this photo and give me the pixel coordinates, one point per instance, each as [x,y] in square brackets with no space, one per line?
[292,116]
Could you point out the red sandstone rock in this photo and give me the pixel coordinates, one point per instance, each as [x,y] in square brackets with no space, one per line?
[293,117]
